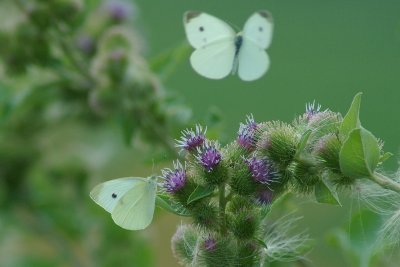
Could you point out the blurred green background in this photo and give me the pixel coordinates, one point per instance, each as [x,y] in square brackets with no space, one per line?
[322,50]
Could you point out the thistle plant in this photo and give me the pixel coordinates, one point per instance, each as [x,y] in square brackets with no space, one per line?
[229,190]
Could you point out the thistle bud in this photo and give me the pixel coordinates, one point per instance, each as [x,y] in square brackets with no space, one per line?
[323,123]
[241,181]
[217,251]
[243,224]
[279,143]
[210,158]
[306,177]
[177,184]
[246,133]
[205,215]
[248,254]
[184,243]
[192,139]
[327,149]
[264,196]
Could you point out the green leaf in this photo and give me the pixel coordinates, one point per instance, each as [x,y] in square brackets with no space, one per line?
[199,193]
[325,194]
[352,118]
[303,142]
[359,154]
[165,203]
[358,238]
[385,157]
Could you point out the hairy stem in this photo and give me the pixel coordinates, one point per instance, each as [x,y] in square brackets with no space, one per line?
[385,182]
[222,205]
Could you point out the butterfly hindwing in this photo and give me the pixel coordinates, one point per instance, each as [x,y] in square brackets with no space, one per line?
[215,60]
[253,61]
[135,209]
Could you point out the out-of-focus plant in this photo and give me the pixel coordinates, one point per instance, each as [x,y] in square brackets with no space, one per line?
[228,191]
[70,70]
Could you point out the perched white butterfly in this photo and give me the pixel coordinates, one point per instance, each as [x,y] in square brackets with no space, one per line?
[220,51]
[130,200]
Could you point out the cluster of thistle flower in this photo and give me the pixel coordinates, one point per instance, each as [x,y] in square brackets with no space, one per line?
[265,161]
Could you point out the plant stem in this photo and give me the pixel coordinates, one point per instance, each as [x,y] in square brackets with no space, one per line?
[222,204]
[385,182]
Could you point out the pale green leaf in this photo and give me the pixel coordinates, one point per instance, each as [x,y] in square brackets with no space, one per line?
[352,118]
[325,194]
[359,154]
[199,193]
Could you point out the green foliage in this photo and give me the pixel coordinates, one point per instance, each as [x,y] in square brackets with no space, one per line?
[325,194]
[360,154]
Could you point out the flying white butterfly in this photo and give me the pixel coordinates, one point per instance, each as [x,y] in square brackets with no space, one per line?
[220,51]
[130,200]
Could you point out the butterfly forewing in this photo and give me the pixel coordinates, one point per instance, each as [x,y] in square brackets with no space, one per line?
[258,29]
[203,29]
[108,194]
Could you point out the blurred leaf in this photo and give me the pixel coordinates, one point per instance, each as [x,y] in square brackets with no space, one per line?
[128,126]
[358,239]
[325,194]
[359,154]
[166,62]
[199,193]
[165,203]
[352,118]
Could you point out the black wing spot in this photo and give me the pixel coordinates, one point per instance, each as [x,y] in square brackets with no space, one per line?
[201,28]
[260,29]
[114,195]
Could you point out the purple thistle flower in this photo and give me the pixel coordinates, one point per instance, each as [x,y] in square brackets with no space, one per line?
[265,196]
[246,133]
[208,156]
[190,139]
[312,109]
[174,179]
[119,10]
[261,170]
[210,244]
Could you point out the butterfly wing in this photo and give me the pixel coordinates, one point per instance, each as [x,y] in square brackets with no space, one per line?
[258,29]
[215,60]
[257,35]
[134,211]
[130,200]
[253,61]
[108,194]
[214,43]
[203,29]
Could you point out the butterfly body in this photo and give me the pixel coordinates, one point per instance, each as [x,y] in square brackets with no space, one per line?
[219,50]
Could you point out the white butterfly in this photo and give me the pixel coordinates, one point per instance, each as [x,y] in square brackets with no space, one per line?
[130,200]
[220,51]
